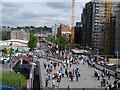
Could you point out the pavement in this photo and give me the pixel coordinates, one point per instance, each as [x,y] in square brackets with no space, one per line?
[87,80]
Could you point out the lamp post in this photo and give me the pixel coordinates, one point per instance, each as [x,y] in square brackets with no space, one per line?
[10,50]
[117,61]
[97,54]
[10,55]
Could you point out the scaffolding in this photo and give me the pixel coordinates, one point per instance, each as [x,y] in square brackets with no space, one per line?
[108,9]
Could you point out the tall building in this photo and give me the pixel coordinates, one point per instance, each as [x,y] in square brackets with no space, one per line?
[87,24]
[111,7]
[93,19]
[96,24]
[117,33]
[112,33]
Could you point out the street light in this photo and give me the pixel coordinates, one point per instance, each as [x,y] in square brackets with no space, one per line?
[97,54]
[10,49]
[105,60]
[10,55]
[117,61]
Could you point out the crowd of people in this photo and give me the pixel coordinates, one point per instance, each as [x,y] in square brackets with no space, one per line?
[63,70]
[55,71]
[104,76]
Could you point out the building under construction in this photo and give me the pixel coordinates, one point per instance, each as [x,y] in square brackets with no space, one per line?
[96,24]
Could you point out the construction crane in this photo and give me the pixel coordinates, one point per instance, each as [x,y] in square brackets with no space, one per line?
[73,28]
[73,21]
[107,31]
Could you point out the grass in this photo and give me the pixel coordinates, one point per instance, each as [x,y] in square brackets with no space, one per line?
[13,79]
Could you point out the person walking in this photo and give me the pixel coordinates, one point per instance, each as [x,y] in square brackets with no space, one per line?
[68,87]
[44,65]
[98,76]
[71,76]
[58,81]
[66,72]
[108,75]
[77,76]
[53,83]
[46,82]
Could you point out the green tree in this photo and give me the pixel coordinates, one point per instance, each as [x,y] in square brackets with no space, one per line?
[32,42]
[62,42]
[51,39]
[5,51]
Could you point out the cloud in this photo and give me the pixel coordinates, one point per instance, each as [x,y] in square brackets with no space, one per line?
[10,4]
[59,5]
[9,8]
[37,13]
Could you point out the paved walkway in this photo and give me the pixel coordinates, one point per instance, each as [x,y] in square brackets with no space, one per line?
[87,80]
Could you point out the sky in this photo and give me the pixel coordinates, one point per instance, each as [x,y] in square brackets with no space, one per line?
[39,12]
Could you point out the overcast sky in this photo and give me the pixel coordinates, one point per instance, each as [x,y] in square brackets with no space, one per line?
[39,12]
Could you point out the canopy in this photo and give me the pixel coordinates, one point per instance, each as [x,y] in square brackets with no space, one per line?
[77,51]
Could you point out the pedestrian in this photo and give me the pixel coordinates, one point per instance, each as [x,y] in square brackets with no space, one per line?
[110,86]
[70,64]
[104,82]
[51,67]
[98,76]
[101,83]
[55,64]
[48,65]
[46,82]
[63,72]
[66,72]
[58,63]
[72,76]
[53,83]
[58,81]
[77,76]
[115,84]
[119,83]
[108,75]
[68,87]
[44,65]
[67,65]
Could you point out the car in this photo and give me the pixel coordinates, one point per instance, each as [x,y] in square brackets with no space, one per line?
[4,60]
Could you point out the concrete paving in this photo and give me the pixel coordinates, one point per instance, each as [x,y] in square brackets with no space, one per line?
[87,80]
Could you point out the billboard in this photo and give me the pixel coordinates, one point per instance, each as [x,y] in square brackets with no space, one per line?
[78,24]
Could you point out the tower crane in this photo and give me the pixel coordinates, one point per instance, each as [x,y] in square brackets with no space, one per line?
[73,28]
[73,21]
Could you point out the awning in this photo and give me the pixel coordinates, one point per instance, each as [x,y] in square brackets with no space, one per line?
[77,51]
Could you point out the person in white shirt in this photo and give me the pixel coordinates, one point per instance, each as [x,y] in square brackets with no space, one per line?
[53,83]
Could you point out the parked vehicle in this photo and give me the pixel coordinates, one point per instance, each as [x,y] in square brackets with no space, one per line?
[4,60]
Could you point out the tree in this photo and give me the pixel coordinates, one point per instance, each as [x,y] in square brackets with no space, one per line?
[5,51]
[50,39]
[62,42]
[32,42]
